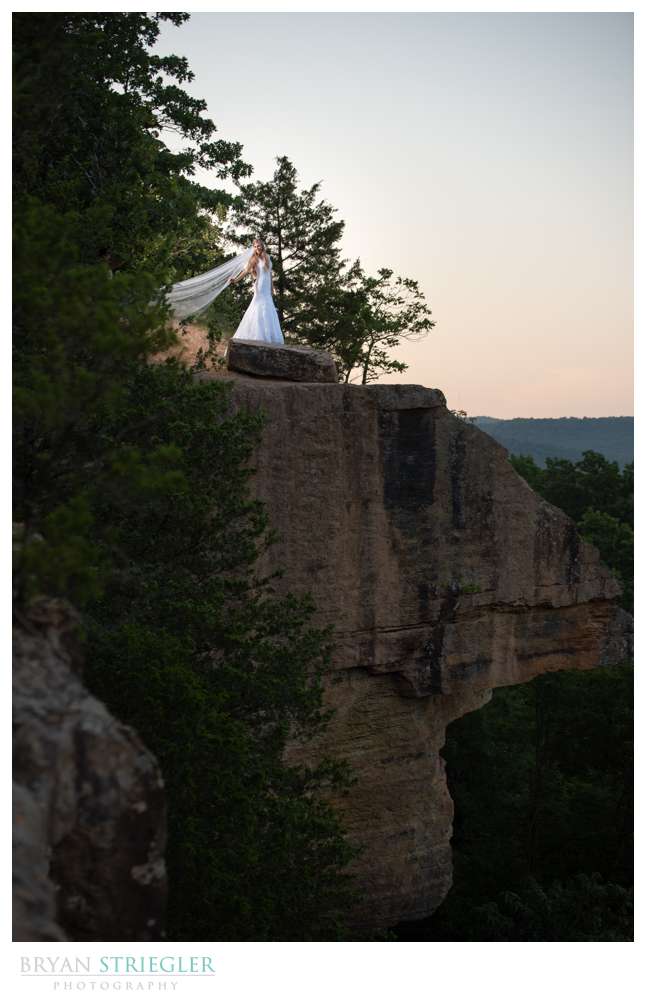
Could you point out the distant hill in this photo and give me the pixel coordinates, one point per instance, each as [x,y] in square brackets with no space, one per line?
[563,437]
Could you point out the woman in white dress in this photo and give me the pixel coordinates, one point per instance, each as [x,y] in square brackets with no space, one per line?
[260,321]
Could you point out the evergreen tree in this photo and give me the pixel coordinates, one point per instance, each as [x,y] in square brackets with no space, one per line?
[214,670]
[320,300]
[302,237]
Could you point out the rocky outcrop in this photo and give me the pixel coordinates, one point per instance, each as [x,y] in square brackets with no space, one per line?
[444,576]
[89,806]
[296,364]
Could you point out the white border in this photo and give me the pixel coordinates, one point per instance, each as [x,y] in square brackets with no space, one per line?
[408,970]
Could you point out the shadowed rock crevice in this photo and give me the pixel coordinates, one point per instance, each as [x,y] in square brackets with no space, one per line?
[408,455]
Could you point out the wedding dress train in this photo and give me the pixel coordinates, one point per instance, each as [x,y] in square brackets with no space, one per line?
[260,321]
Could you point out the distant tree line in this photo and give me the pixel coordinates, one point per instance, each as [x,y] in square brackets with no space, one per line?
[563,437]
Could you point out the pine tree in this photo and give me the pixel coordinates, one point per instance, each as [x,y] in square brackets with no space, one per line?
[302,237]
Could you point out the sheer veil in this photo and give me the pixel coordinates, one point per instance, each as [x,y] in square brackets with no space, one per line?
[195,294]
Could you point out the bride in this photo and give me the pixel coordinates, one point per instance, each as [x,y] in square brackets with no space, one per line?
[260,322]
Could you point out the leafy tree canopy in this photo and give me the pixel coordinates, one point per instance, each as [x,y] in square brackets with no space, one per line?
[367,318]
[131,482]
[93,108]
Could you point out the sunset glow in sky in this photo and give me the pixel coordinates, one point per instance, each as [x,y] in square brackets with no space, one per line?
[489,156]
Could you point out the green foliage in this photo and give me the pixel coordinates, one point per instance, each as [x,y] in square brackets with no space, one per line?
[526,467]
[64,558]
[302,237]
[584,908]
[599,497]
[131,485]
[368,318]
[542,784]
[78,334]
[592,482]
[92,109]
[320,301]
[215,672]
[615,541]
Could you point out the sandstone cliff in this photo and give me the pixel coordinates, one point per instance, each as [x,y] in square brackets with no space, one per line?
[444,576]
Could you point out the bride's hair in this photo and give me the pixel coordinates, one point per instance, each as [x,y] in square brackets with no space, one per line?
[263,252]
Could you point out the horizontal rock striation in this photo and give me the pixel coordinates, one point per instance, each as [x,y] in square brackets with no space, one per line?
[444,576]
[89,804]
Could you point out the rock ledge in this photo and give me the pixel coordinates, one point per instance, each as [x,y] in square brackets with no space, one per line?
[443,576]
[292,364]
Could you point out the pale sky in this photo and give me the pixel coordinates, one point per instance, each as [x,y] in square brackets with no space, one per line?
[489,156]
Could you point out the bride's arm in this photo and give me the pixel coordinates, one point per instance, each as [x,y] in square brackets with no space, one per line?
[239,277]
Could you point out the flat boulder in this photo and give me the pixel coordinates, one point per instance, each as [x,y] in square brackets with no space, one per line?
[280,361]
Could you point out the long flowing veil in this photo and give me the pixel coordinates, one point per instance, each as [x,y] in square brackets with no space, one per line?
[195,294]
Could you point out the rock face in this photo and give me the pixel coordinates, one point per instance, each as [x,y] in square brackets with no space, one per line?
[297,364]
[444,576]
[89,806]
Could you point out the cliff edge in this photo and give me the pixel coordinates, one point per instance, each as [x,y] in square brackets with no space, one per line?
[444,576]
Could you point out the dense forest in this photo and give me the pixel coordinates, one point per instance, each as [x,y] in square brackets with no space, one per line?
[132,501]
[563,437]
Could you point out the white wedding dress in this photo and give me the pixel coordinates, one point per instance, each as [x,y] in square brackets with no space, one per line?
[260,322]
[193,295]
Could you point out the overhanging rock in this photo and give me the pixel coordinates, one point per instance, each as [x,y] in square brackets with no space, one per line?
[444,576]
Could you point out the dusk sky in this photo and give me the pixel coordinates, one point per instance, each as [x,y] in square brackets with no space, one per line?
[489,156]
